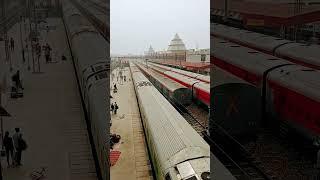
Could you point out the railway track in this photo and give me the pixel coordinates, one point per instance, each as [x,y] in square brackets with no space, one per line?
[190,118]
[242,165]
[99,24]
[282,159]
[269,156]
[97,6]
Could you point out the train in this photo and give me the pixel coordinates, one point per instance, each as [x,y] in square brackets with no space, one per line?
[177,151]
[200,90]
[177,93]
[197,76]
[289,92]
[92,71]
[304,54]
[235,105]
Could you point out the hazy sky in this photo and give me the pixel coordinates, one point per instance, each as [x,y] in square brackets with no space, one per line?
[137,24]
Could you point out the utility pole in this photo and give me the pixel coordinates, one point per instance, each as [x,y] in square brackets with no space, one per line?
[297,11]
[226,10]
[31,34]
[26,12]
[6,40]
[21,41]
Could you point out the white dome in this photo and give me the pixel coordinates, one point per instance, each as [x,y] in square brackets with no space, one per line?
[151,49]
[176,44]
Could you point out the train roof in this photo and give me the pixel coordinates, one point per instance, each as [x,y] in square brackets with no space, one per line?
[220,77]
[250,38]
[173,137]
[243,57]
[181,77]
[300,79]
[306,53]
[170,84]
[187,73]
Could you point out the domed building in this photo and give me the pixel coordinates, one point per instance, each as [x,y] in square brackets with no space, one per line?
[150,51]
[176,45]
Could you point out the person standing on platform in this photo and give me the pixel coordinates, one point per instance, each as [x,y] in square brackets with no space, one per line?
[48,53]
[112,107]
[17,150]
[16,78]
[22,146]
[124,77]
[116,107]
[38,50]
[12,44]
[23,56]
[8,145]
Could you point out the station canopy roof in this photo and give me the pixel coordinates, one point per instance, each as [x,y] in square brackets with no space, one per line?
[270,12]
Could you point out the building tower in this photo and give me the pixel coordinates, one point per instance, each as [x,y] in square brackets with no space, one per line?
[176,45]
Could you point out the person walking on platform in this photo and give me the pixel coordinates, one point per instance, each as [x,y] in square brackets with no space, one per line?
[115,87]
[38,50]
[23,56]
[17,151]
[124,77]
[11,44]
[22,145]
[112,107]
[16,78]
[116,107]
[8,145]
[48,53]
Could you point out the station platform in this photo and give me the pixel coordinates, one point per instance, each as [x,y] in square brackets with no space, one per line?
[133,162]
[49,115]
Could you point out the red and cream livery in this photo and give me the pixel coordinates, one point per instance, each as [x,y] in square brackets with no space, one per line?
[197,76]
[200,90]
[289,92]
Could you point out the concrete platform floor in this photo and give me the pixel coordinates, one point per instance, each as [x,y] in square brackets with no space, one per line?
[49,115]
[134,160]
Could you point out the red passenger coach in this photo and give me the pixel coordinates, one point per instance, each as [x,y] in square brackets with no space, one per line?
[235,103]
[245,63]
[197,76]
[200,90]
[293,95]
[289,92]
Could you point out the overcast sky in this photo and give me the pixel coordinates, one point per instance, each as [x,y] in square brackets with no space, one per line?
[137,24]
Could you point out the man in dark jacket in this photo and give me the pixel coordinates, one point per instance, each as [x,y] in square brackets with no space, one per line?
[8,145]
[116,107]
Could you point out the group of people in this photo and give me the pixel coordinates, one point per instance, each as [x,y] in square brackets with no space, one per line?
[114,107]
[122,78]
[13,147]
[47,51]
[114,139]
